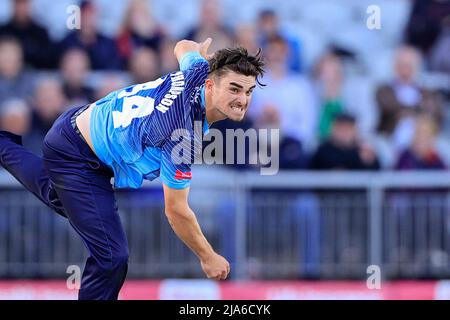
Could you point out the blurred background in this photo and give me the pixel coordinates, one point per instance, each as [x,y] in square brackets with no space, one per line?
[364,146]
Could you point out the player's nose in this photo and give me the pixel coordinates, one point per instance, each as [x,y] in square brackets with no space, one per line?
[242,101]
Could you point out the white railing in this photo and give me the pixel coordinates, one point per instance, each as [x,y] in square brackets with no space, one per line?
[296,223]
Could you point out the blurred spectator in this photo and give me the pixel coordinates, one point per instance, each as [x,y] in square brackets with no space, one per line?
[425,23]
[211,25]
[15,82]
[405,206]
[291,154]
[108,84]
[422,154]
[102,50]
[342,151]
[168,61]
[329,74]
[269,26]
[290,93]
[139,29]
[246,37]
[36,44]
[339,94]
[439,55]
[48,104]
[74,68]
[144,65]
[15,116]
[404,98]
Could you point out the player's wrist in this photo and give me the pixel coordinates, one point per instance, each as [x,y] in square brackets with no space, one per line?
[206,254]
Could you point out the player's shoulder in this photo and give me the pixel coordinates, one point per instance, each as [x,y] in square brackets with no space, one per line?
[197,66]
[174,87]
[196,74]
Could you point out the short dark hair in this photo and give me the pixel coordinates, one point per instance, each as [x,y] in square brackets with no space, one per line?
[237,60]
[345,118]
[277,39]
[267,13]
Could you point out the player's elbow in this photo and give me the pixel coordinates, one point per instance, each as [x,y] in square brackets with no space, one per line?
[178,218]
[184,46]
[179,47]
[177,210]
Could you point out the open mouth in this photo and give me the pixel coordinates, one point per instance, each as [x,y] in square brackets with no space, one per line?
[238,109]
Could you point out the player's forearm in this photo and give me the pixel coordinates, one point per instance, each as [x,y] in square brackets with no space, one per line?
[186,227]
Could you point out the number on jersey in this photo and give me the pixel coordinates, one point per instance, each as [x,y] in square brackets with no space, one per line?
[134,106]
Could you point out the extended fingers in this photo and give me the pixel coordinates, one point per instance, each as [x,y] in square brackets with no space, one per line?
[204,48]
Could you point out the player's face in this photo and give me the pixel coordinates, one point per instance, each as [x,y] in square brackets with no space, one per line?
[232,94]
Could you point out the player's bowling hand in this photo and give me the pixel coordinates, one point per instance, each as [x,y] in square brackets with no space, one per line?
[204,49]
[184,46]
[215,267]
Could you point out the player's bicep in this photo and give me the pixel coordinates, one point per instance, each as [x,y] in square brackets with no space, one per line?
[175,200]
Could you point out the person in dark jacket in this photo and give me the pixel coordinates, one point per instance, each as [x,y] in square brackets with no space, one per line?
[35,41]
[342,150]
[422,154]
[102,51]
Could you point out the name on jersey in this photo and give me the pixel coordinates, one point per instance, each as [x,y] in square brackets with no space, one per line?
[176,89]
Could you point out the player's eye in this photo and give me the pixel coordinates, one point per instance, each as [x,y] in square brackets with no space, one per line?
[234,90]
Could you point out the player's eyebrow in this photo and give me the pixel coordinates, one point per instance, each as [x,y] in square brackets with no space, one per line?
[236,85]
[241,87]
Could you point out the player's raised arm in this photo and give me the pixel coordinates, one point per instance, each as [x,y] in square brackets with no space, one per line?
[184,46]
[184,223]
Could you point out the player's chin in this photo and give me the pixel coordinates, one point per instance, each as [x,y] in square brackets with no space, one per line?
[235,115]
[236,118]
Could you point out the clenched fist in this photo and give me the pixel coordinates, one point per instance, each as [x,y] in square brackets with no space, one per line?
[215,267]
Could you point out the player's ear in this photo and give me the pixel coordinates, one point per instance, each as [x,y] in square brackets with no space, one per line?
[209,83]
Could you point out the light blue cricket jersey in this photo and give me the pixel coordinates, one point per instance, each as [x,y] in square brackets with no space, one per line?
[135,130]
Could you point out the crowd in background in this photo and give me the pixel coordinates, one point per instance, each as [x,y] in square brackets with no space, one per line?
[329,114]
